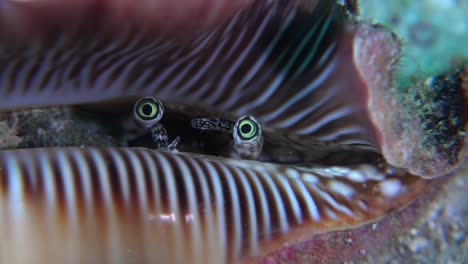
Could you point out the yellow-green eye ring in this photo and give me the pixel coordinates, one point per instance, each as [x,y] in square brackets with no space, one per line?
[148,111]
[247,129]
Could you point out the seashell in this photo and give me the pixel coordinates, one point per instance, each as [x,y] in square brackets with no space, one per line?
[139,205]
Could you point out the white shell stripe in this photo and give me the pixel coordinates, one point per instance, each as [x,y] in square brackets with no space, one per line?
[276,200]
[121,171]
[16,195]
[46,171]
[69,187]
[251,211]
[85,177]
[263,204]
[219,204]
[137,168]
[103,175]
[235,212]
[283,183]
[191,199]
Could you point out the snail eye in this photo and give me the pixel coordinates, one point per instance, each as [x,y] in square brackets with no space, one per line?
[148,111]
[247,128]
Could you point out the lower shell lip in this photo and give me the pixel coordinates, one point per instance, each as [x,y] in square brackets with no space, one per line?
[100,201]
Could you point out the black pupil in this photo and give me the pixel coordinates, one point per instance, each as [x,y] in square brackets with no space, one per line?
[246,128]
[147,109]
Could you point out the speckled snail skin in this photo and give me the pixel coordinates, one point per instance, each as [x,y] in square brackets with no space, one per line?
[287,63]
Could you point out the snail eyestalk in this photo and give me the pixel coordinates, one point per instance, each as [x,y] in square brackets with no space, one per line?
[148,112]
[248,137]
